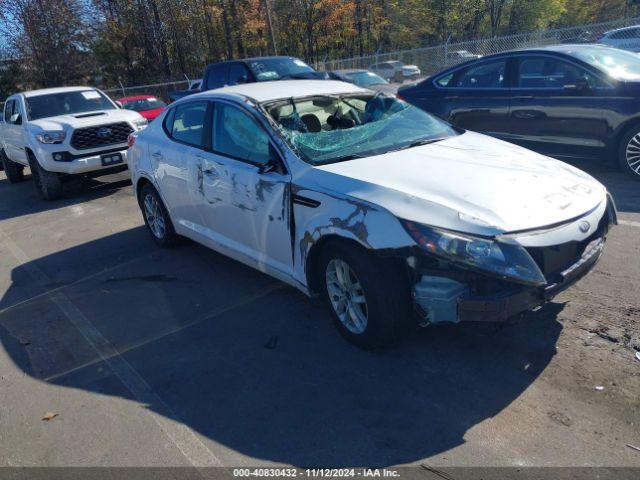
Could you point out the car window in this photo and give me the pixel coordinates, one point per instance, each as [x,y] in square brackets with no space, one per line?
[8,110]
[235,134]
[445,80]
[67,103]
[328,129]
[188,123]
[622,34]
[217,77]
[486,75]
[238,74]
[547,72]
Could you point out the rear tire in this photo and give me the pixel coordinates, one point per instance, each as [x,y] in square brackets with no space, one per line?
[14,171]
[156,217]
[629,153]
[371,305]
[47,183]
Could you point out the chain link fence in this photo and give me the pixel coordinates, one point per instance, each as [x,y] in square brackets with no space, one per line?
[158,90]
[433,59]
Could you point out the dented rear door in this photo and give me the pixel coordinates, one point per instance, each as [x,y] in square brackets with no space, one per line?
[244,210]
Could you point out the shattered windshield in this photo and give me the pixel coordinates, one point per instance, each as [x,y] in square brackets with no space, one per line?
[327,129]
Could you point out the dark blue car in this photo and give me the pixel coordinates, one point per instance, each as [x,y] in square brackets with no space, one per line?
[566,101]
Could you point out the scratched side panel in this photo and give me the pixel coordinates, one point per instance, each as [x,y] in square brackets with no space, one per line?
[371,226]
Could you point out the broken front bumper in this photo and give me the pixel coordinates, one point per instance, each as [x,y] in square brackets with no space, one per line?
[445,293]
[502,306]
[508,304]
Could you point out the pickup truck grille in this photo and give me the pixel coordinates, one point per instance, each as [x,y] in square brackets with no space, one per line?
[100,136]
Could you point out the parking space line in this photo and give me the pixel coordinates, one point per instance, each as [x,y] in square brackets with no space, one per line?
[629,223]
[183,437]
[62,287]
[210,316]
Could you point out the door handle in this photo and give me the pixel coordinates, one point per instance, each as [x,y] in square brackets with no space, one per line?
[211,172]
[523,97]
[157,155]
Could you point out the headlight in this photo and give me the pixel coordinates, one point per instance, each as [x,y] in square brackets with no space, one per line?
[508,260]
[140,123]
[51,137]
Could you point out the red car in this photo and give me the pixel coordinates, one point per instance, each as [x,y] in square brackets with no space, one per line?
[146,105]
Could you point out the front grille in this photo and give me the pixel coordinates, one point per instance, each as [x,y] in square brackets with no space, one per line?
[554,259]
[100,136]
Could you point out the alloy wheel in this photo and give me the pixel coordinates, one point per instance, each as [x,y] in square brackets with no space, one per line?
[154,216]
[633,154]
[346,296]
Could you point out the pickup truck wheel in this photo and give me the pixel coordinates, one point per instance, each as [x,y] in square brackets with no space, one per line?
[14,171]
[629,153]
[368,297]
[156,217]
[47,183]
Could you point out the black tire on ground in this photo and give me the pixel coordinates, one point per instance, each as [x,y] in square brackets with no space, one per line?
[385,286]
[167,236]
[14,171]
[47,183]
[630,143]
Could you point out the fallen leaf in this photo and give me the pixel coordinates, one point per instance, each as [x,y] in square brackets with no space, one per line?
[49,416]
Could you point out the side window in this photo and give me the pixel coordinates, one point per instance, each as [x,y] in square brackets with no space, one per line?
[486,75]
[546,72]
[188,123]
[168,121]
[445,81]
[238,74]
[235,134]
[217,77]
[623,34]
[8,110]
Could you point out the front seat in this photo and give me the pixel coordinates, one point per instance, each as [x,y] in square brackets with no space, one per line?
[311,122]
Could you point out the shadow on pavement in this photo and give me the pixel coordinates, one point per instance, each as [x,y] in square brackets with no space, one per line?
[256,366]
[23,199]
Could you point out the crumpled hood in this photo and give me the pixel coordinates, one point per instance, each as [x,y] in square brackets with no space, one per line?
[87,119]
[470,182]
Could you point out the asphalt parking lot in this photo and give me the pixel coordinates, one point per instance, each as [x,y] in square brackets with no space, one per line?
[183,357]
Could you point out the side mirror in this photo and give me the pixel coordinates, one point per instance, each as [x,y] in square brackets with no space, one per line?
[270,166]
[119,104]
[16,119]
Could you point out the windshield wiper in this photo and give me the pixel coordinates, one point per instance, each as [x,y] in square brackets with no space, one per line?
[353,156]
[424,141]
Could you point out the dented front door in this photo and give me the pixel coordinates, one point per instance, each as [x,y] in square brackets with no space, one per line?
[241,208]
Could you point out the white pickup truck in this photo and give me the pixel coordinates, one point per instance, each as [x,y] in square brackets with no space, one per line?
[63,131]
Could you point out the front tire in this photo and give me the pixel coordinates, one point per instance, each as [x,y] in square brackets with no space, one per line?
[156,217]
[14,171]
[629,153]
[47,183]
[368,297]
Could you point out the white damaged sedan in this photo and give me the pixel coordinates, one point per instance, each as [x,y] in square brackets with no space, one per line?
[394,216]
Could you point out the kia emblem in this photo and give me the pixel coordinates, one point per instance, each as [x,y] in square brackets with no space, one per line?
[104,132]
[584,227]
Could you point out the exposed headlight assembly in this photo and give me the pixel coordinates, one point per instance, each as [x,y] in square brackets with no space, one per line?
[51,137]
[504,258]
[140,123]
